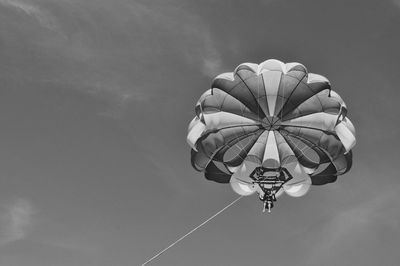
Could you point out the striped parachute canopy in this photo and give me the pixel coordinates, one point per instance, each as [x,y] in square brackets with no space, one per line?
[271,115]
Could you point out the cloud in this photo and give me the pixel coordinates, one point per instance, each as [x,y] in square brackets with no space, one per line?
[354,226]
[121,52]
[27,8]
[43,17]
[211,59]
[187,31]
[15,220]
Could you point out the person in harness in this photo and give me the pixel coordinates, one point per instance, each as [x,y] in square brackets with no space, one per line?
[270,182]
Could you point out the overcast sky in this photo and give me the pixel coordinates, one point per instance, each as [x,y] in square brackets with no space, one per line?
[95,98]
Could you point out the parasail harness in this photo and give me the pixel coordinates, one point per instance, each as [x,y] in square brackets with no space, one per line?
[270,181]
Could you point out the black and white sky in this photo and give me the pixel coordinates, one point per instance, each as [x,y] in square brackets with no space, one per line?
[95,99]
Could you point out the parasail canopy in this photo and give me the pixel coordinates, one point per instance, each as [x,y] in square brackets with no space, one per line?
[271,116]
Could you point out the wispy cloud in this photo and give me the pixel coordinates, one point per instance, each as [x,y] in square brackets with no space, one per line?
[43,17]
[187,30]
[211,59]
[20,5]
[380,213]
[111,50]
[15,220]
[396,3]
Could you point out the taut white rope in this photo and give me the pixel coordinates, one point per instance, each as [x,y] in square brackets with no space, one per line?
[191,231]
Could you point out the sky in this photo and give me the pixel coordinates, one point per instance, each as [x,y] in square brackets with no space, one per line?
[95,99]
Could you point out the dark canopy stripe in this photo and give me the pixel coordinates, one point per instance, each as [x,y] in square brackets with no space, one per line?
[302,93]
[256,153]
[242,150]
[337,166]
[216,139]
[208,144]
[325,177]
[212,172]
[254,83]
[206,152]
[238,89]
[286,154]
[222,101]
[325,140]
[320,102]
[289,83]
[300,148]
